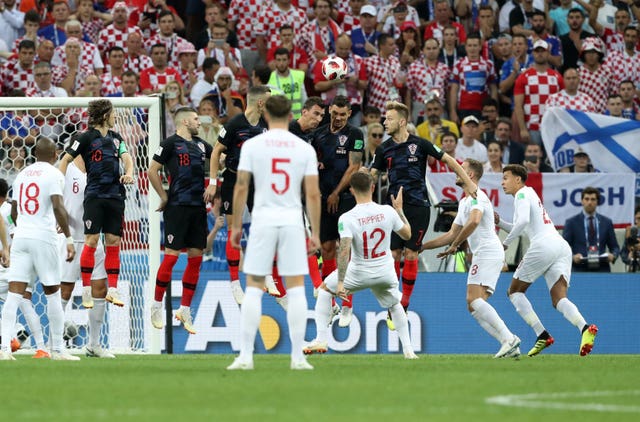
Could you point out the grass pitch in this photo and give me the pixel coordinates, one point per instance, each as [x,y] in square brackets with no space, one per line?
[342,387]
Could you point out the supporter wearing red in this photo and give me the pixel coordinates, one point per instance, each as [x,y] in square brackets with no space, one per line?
[279,13]
[318,37]
[531,90]
[630,109]
[625,64]
[89,53]
[147,15]
[154,78]
[610,30]
[166,35]
[449,143]
[570,98]
[434,126]
[18,73]
[73,73]
[350,18]
[117,32]
[596,79]
[298,59]
[136,58]
[112,80]
[93,21]
[539,29]
[408,44]
[441,19]
[383,71]
[451,48]
[572,41]
[219,48]
[31,26]
[473,79]
[364,38]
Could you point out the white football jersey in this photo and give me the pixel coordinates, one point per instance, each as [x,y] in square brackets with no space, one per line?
[369,226]
[484,241]
[278,162]
[529,217]
[32,190]
[5,212]
[74,183]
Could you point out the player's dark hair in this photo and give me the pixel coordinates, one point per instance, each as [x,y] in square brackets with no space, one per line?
[281,51]
[476,167]
[4,188]
[313,101]
[361,182]
[98,111]
[517,170]
[256,93]
[341,101]
[26,45]
[278,106]
[115,48]
[263,73]
[590,190]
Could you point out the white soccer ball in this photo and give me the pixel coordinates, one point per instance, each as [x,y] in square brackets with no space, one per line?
[70,330]
[334,68]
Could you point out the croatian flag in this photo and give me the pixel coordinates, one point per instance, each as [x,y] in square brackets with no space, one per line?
[612,143]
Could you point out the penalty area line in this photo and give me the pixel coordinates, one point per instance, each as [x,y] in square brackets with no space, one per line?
[550,401]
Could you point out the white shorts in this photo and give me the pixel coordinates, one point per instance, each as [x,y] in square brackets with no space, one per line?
[31,257]
[70,271]
[485,272]
[288,242]
[550,257]
[383,284]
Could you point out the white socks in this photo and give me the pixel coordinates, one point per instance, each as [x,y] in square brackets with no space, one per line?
[489,319]
[524,308]
[571,313]
[64,305]
[297,321]
[323,313]
[250,313]
[401,323]
[9,315]
[96,319]
[33,321]
[56,321]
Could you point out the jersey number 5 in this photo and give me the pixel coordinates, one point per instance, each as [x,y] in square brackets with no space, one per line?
[377,235]
[276,168]
[28,200]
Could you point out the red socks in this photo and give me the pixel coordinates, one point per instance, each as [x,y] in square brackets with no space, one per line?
[233,259]
[396,265]
[87,262]
[314,272]
[112,264]
[328,266]
[190,279]
[164,276]
[409,275]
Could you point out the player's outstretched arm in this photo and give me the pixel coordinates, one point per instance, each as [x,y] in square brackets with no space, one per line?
[127,161]
[156,183]
[214,166]
[469,187]
[240,193]
[312,198]
[62,218]
[442,240]
[64,162]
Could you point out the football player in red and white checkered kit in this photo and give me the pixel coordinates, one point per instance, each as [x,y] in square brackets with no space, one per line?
[18,73]
[117,32]
[277,14]
[625,64]
[596,79]
[531,90]
[570,98]
[384,74]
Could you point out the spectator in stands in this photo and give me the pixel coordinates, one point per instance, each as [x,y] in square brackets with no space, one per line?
[590,234]
[92,87]
[136,58]
[13,163]
[364,38]
[470,147]
[503,51]
[539,32]
[112,80]
[348,16]
[130,84]
[513,67]
[596,79]
[228,102]
[318,37]
[625,64]
[369,115]
[56,31]
[18,73]
[89,53]
[614,106]
[408,44]
[174,99]
[441,20]
[630,251]
[117,32]
[213,14]
[560,15]
[486,23]
[520,18]
[512,152]
[424,78]
[572,41]
[207,83]
[451,51]
[494,163]
[73,73]
[17,128]
[166,35]
[627,92]
[449,144]
[93,21]
[267,26]
[242,17]
[581,163]
[534,160]
[11,22]
[488,120]
[31,26]
[44,52]
[148,16]
[392,21]
[570,98]
[209,123]
[434,126]
[472,80]
[375,135]
[609,23]
[384,74]
[154,78]
[298,58]
[219,48]
[289,81]
[531,90]
[187,69]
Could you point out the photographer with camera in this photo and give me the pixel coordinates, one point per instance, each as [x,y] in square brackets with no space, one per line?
[630,252]
[590,235]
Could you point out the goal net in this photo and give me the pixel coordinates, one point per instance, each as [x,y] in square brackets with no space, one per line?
[22,120]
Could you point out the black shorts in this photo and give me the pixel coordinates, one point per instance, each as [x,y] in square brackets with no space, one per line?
[329,222]
[103,215]
[226,192]
[418,218]
[185,227]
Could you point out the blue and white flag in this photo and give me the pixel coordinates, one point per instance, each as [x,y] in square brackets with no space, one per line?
[612,143]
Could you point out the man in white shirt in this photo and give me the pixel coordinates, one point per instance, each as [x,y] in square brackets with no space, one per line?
[470,147]
[548,254]
[36,209]
[475,223]
[11,21]
[277,225]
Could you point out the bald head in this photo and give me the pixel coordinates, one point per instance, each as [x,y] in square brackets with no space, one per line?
[45,150]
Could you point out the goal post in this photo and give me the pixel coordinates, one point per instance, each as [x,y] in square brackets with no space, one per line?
[139,121]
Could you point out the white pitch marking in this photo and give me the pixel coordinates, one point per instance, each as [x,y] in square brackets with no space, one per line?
[543,400]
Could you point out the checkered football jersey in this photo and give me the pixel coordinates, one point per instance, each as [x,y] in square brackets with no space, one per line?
[422,79]
[349,22]
[312,38]
[382,75]
[579,102]
[474,78]
[624,66]
[13,76]
[598,85]
[613,40]
[111,85]
[17,42]
[59,73]
[245,14]
[536,88]
[273,18]
[173,44]
[137,64]
[89,56]
[112,36]
[151,79]
[92,28]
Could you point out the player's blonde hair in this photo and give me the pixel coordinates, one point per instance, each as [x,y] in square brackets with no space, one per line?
[400,108]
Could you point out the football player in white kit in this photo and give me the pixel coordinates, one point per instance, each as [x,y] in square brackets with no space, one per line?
[475,223]
[37,206]
[93,295]
[281,164]
[26,306]
[365,235]
[548,254]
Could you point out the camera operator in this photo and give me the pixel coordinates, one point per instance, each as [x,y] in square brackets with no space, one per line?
[630,252]
[590,234]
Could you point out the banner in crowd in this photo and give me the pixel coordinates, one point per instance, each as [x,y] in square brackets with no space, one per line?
[611,142]
[559,192]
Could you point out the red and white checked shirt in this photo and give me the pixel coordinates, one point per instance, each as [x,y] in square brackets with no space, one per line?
[356,67]
[579,102]
[13,76]
[151,79]
[613,40]
[624,66]
[314,38]
[474,79]
[382,76]
[111,84]
[537,87]
[112,37]
[136,64]
[349,22]
[245,14]
[273,18]
[173,44]
[92,28]
[89,56]
[59,73]
[422,79]
[598,85]
[17,42]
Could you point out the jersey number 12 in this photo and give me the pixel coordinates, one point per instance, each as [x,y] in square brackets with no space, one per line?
[377,235]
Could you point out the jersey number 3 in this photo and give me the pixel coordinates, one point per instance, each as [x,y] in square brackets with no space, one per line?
[276,169]
[377,236]
[28,200]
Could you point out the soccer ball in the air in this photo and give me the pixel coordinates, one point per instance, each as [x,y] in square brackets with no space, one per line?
[334,68]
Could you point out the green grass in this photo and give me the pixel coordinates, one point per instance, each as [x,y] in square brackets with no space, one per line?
[342,387]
